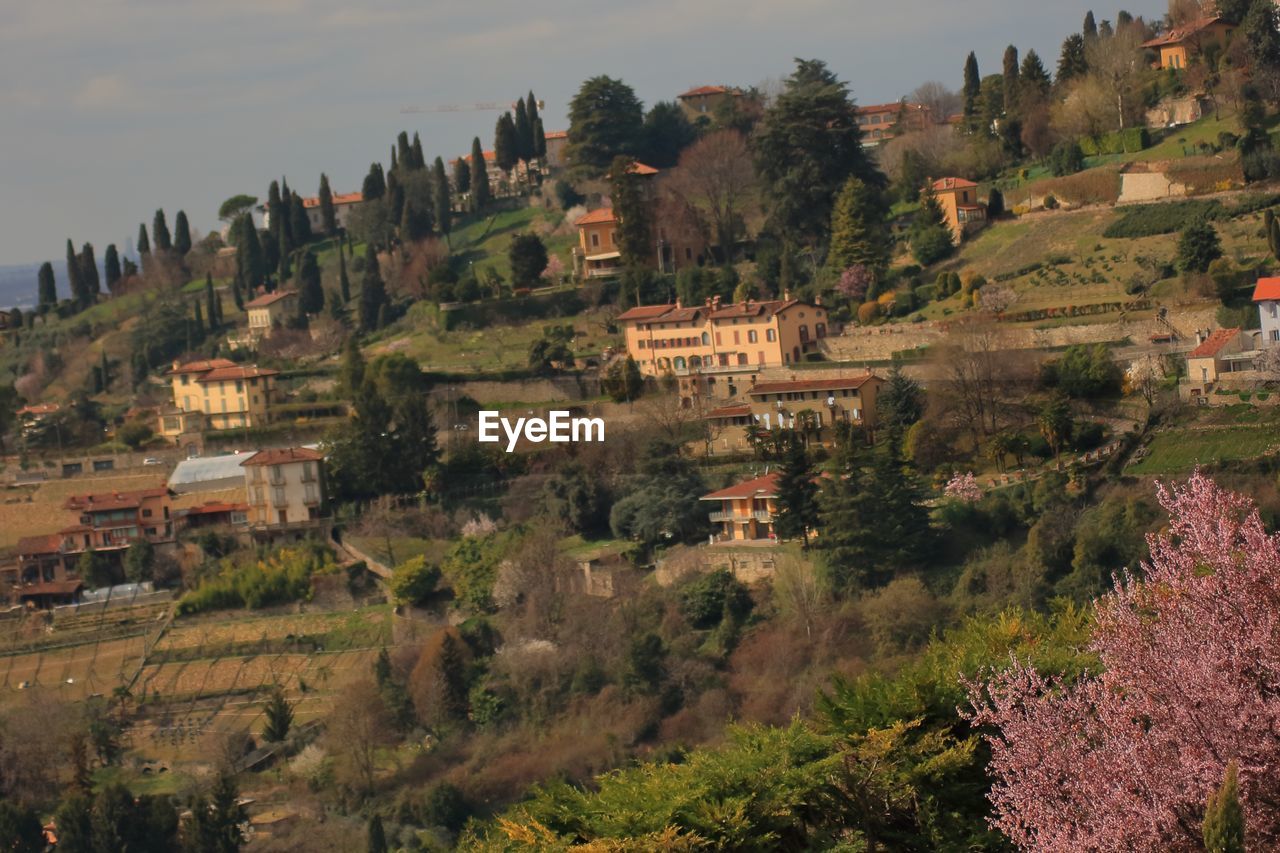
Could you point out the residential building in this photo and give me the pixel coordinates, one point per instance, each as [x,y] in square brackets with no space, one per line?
[31,417]
[1180,46]
[703,101]
[269,312]
[557,142]
[229,395]
[960,206]
[500,182]
[881,122]
[108,522]
[1266,295]
[746,511]
[40,575]
[180,427]
[285,488]
[1223,351]
[597,254]
[344,204]
[813,406]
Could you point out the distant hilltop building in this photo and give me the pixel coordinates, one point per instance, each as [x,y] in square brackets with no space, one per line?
[703,101]
[881,122]
[343,205]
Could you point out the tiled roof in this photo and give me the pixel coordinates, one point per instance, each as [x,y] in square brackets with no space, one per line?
[953,184]
[1214,343]
[676,313]
[556,134]
[704,90]
[1184,32]
[66,587]
[645,312]
[793,385]
[48,544]
[199,366]
[215,507]
[283,455]
[224,374]
[597,216]
[889,108]
[40,409]
[338,200]
[739,411]
[752,309]
[1268,288]
[760,487]
[106,501]
[269,299]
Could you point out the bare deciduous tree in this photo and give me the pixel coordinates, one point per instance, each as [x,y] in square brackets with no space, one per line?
[357,726]
[800,590]
[714,188]
[940,100]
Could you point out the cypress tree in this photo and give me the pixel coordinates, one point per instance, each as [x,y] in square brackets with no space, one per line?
[199,320]
[539,142]
[395,197]
[160,233]
[1223,818]
[286,217]
[144,245]
[405,159]
[251,263]
[1010,75]
[210,301]
[373,293]
[181,233]
[284,270]
[237,291]
[344,284]
[89,276]
[275,212]
[415,222]
[531,107]
[797,495]
[443,201]
[377,838]
[73,274]
[46,287]
[104,367]
[524,133]
[375,185]
[1090,26]
[351,373]
[971,91]
[299,222]
[1273,237]
[461,176]
[310,292]
[328,217]
[506,147]
[479,178]
[111,266]
[419,159]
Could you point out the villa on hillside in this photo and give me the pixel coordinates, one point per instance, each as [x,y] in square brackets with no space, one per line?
[702,102]
[597,254]
[1180,46]
[960,206]
[880,122]
[229,395]
[1266,295]
[343,206]
[747,511]
[812,406]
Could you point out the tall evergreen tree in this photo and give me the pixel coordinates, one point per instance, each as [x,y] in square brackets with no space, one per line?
[415,221]
[395,196]
[199,320]
[797,495]
[74,283]
[216,820]
[1090,30]
[405,154]
[375,183]
[144,245]
[111,266]
[972,92]
[1223,829]
[443,201]
[299,222]
[46,287]
[89,279]
[310,291]
[278,711]
[277,212]
[901,402]
[633,211]
[605,120]
[181,234]
[351,372]
[461,176]
[523,133]
[373,293]
[479,178]
[1010,77]
[160,233]
[328,216]
[1033,83]
[344,284]
[251,262]
[1071,62]
[284,262]
[377,842]
[210,301]
[539,142]
[237,290]
[415,150]
[858,232]
[506,147]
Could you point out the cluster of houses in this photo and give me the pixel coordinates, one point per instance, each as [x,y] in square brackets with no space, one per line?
[266,495]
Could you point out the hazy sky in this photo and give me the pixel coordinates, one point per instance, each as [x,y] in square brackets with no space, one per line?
[112,108]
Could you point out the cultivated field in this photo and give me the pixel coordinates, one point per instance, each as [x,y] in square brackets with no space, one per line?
[1179,451]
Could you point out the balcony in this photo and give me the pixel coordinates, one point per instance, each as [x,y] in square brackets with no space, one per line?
[763,516]
[718,517]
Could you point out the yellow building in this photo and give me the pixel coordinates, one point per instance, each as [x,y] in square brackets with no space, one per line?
[285,487]
[880,122]
[1212,357]
[960,206]
[812,406]
[1180,46]
[269,312]
[229,395]
[597,255]
[746,511]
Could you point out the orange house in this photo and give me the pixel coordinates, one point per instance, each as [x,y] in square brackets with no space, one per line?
[960,206]
[1179,47]
[597,255]
[704,100]
[747,511]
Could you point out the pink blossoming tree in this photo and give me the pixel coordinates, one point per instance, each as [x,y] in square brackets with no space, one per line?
[964,488]
[1189,681]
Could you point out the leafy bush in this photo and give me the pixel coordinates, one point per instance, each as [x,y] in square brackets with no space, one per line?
[1083,372]
[414,581]
[710,598]
[279,578]
[1065,159]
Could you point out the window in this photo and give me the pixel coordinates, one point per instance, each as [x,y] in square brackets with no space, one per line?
[595,241]
[737,337]
[771,335]
[678,362]
[239,386]
[308,472]
[146,513]
[706,339]
[751,336]
[277,496]
[820,330]
[277,475]
[742,358]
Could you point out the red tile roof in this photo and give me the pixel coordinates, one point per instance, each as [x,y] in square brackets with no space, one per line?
[107,501]
[199,366]
[40,409]
[67,587]
[752,309]
[760,487]
[953,184]
[269,299]
[556,134]
[338,200]
[215,507]
[283,455]
[1214,343]
[645,312]
[38,544]
[789,386]
[1267,289]
[706,90]
[1177,35]
[597,216]
[675,313]
[738,411]
[225,374]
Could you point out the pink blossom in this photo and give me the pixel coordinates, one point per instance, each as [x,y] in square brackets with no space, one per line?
[854,282]
[1190,679]
[964,488]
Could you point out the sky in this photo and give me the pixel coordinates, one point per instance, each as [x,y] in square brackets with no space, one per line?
[110,109]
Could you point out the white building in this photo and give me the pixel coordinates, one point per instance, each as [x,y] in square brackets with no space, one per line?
[1267,297]
[343,205]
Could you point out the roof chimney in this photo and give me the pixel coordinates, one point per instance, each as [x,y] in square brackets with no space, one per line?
[678,305]
[817,300]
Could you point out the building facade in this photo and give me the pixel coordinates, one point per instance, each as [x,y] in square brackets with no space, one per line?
[557,142]
[745,512]
[881,122]
[344,204]
[597,254]
[960,206]
[815,407]
[703,101]
[229,395]
[1266,295]
[270,312]
[1180,46]
[285,488]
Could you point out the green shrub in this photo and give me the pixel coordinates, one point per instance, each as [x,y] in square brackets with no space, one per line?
[414,581]
[708,599]
[279,578]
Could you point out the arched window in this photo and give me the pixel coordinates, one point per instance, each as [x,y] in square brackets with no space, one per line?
[820,330]
[771,335]
[664,363]
[678,363]
[742,358]
[695,362]
[706,339]
[804,333]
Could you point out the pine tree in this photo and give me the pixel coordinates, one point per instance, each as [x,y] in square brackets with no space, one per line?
[327,215]
[1034,83]
[377,837]
[797,496]
[479,178]
[144,245]
[181,234]
[1223,818]
[972,92]
[930,235]
[900,402]
[373,293]
[299,222]
[443,201]
[210,301]
[506,147]
[461,176]
[1010,76]
[344,284]
[279,713]
[46,287]
[1072,62]
[523,133]
[858,233]
[216,821]
[310,291]
[111,266]
[73,274]
[160,233]
[89,276]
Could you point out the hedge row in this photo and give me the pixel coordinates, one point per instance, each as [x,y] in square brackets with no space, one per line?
[478,315]
[1073,311]
[1149,220]
[1117,142]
